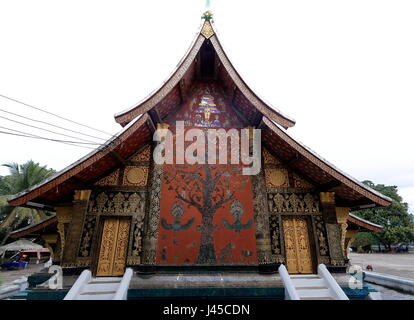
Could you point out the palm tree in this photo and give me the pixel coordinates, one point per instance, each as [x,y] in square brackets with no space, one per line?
[21,178]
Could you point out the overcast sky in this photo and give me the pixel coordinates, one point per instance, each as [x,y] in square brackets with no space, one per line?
[344,70]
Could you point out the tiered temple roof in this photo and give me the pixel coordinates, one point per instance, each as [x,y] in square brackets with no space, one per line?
[205,58]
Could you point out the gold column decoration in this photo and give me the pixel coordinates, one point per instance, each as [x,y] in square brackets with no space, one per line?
[251,133]
[162,128]
[48,240]
[72,229]
[82,195]
[349,238]
[327,197]
[207,30]
[342,214]
[333,228]
[64,216]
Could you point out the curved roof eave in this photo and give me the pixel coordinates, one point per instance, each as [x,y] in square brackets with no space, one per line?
[243,86]
[366,221]
[119,115]
[33,227]
[328,167]
[104,148]
[157,95]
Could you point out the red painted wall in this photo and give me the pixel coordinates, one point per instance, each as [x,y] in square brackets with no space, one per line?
[190,230]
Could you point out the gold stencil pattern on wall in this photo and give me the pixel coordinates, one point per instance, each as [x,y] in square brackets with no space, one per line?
[297,245]
[276,178]
[300,183]
[136,176]
[109,180]
[268,158]
[143,156]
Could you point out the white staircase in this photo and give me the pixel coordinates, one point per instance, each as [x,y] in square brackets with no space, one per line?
[320,286]
[100,288]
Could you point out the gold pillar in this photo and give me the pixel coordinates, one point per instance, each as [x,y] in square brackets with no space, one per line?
[73,229]
[327,197]
[333,229]
[48,240]
[342,214]
[350,237]
[82,195]
[64,217]
[162,129]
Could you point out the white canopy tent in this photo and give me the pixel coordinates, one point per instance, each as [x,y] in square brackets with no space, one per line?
[18,246]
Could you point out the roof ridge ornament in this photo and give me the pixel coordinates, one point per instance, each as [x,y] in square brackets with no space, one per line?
[207,30]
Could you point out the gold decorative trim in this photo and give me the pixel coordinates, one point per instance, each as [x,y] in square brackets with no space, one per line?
[82,195]
[298,182]
[143,156]
[268,158]
[207,30]
[276,178]
[109,180]
[64,214]
[136,176]
[327,197]
[324,166]
[342,214]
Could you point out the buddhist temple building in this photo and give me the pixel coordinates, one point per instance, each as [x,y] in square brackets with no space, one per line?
[116,207]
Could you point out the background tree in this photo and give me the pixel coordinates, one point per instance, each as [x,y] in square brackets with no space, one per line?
[397,222]
[21,178]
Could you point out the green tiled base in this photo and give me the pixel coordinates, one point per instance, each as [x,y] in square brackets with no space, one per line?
[227,293]
[205,293]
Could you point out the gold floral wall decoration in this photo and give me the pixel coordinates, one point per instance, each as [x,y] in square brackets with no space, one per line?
[276,178]
[298,182]
[321,235]
[207,30]
[293,202]
[143,156]
[268,158]
[109,180]
[136,176]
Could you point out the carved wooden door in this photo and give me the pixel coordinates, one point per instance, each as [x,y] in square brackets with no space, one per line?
[297,245]
[114,246]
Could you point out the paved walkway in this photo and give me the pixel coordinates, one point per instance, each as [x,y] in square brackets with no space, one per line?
[390,294]
[397,264]
[7,277]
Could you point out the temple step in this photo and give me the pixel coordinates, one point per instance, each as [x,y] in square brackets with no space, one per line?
[314,293]
[100,288]
[321,286]
[310,282]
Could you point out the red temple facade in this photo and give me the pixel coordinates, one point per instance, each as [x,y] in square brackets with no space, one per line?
[116,207]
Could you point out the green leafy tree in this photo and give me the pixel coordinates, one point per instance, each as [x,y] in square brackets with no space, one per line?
[21,178]
[397,222]
[364,239]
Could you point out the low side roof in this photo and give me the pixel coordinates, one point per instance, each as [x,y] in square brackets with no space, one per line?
[355,222]
[89,168]
[349,191]
[49,223]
